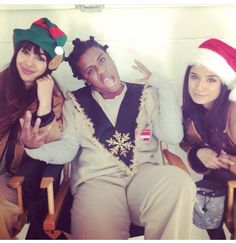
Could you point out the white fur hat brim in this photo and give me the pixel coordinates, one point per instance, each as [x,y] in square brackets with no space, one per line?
[232,95]
[216,63]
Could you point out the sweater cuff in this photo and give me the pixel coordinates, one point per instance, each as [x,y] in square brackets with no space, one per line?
[156,81]
[45,119]
[195,162]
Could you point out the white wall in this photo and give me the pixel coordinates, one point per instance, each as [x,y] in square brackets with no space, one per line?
[162,37]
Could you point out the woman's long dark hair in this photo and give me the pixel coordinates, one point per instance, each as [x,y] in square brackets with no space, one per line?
[14,97]
[213,121]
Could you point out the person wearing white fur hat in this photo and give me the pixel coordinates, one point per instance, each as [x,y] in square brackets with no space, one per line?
[209,114]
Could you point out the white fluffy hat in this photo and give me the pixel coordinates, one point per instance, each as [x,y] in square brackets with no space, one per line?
[220,58]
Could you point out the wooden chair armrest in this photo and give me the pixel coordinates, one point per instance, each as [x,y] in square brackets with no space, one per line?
[54,206]
[175,160]
[47,182]
[229,220]
[16,183]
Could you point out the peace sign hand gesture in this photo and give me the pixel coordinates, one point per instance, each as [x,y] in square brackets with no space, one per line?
[30,136]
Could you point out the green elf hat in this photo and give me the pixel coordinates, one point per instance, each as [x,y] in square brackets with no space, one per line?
[46,35]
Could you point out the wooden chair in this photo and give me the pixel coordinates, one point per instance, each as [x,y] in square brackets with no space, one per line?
[16,182]
[55,206]
[230,212]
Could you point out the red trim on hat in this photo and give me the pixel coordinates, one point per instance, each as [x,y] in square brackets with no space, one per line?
[55,32]
[41,23]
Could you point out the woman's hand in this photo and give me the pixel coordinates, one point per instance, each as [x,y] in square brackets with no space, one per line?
[143,70]
[30,136]
[44,91]
[209,158]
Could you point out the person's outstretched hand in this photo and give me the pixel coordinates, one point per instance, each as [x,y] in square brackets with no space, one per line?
[30,136]
[143,70]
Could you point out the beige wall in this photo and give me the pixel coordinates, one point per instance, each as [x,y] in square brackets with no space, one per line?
[162,37]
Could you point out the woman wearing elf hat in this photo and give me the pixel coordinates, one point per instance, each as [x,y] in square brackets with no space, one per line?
[209,111]
[26,84]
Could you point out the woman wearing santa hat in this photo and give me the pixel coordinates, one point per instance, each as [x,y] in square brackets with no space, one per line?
[26,84]
[209,114]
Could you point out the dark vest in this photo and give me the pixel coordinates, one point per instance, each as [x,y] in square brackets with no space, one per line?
[118,139]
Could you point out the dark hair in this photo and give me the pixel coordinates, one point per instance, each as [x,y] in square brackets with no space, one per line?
[212,121]
[14,97]
[80,47]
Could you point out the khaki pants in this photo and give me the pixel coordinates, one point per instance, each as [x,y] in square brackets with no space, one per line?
[9,210]
[160,198]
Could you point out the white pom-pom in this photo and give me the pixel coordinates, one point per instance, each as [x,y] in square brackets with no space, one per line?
[232,95]
[59,50]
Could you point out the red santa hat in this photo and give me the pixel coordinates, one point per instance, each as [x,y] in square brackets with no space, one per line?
[220,58]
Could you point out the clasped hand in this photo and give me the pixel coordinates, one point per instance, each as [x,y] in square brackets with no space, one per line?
[210,159]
